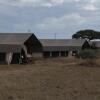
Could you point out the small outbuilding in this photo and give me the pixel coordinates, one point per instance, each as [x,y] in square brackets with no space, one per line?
[63,47]
[95,43]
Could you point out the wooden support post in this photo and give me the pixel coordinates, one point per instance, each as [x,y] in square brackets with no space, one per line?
[65,53]
[9,57]
[50,54]
[59,54]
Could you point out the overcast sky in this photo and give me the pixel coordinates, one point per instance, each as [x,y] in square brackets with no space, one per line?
[49,17]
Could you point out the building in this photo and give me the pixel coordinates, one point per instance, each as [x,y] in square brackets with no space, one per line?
[95,43]
[62,47]
[17,47]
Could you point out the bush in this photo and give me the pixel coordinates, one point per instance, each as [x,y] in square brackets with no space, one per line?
[87,54]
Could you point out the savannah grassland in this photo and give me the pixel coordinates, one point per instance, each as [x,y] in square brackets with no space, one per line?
[51,79]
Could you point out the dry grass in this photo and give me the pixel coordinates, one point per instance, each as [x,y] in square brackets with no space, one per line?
[51,79]
[89,63]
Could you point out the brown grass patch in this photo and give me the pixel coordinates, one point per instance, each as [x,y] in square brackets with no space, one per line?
[47,79]
[63,60]
[89,63]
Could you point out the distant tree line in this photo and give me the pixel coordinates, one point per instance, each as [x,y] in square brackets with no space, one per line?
[90,34]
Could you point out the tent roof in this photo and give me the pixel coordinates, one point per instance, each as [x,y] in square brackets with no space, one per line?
[14,38]
[62,42]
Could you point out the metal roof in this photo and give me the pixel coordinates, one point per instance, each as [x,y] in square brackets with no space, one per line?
[14,38]
[62,44]
[96,43]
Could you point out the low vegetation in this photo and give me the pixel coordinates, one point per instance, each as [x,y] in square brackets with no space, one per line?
[51,79]
[87,54]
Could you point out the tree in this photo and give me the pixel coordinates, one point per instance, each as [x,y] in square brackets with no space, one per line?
[90,34]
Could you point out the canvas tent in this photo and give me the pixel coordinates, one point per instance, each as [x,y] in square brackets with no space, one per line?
[13,46]
[62,47]
[95,43]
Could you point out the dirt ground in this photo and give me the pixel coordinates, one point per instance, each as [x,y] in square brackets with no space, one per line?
[50,79]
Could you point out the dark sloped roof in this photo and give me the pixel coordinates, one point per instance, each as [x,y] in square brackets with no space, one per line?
[14,38]
[62,42]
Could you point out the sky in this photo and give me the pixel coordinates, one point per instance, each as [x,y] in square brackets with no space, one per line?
[49,18]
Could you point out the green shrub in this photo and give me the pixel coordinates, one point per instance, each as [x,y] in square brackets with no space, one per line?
[87,53]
